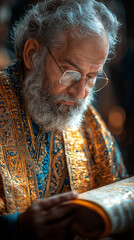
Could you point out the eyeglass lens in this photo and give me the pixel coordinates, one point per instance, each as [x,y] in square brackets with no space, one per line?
[71,77]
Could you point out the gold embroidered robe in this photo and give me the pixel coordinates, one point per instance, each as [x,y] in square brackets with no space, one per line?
[89,155]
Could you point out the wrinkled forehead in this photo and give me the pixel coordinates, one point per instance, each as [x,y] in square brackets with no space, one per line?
[90,50]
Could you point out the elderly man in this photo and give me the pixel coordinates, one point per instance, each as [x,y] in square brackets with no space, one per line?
[52,139]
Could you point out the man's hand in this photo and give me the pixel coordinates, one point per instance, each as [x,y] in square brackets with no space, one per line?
[48,219]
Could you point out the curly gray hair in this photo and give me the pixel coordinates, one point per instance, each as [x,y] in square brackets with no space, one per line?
[48,21]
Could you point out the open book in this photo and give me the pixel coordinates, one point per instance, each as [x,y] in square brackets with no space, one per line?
[106,210]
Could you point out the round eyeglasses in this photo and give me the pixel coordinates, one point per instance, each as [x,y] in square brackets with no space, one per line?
[70,78]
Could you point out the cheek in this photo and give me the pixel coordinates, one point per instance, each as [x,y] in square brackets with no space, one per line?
[58,90]
[51,77]
[86,94]
[52,85]
[51,80]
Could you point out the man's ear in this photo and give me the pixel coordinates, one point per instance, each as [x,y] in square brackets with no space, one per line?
[31,46]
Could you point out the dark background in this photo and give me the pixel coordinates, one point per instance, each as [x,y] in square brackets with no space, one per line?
[116,101]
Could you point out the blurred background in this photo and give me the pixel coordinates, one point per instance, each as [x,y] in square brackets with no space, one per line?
[115,102]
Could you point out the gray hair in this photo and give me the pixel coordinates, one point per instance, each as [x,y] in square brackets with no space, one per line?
[48,21]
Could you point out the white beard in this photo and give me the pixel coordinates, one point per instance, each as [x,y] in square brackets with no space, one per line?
[44,110]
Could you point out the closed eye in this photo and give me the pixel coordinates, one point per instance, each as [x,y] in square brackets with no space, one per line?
[91,78]
[94,75]
[71,64]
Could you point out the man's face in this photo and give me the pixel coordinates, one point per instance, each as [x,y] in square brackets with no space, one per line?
[86,56]
[52,105]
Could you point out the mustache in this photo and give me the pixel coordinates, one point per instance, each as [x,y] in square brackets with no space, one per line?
[61,97]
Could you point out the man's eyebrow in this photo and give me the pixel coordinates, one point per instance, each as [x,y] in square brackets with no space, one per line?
[79,67]
[98,72]
[72,63]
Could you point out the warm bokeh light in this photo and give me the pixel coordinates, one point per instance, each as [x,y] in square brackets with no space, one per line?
[116,120]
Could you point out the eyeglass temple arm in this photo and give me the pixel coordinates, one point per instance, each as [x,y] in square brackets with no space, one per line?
[55,60]
[105,75]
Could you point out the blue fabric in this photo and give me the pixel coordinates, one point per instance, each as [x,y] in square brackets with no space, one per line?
[9,223]
[9,228]
[42,171]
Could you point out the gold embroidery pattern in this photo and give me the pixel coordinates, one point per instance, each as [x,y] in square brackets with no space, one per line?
[57,165]
[78,164]
[17,167]
[89,153]
[51,181]
[102,164]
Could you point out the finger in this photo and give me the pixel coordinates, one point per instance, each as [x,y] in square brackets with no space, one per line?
[58,230]
[57,199]
[58,213]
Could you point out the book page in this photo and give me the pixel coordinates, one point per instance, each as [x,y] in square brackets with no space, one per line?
[117,200]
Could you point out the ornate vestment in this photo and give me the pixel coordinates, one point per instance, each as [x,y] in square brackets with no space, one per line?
[85,159]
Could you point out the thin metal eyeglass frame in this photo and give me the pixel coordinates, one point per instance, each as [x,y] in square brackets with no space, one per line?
[55,60]
[76,71]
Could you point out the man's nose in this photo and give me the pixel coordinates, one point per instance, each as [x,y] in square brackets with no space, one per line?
[78,89]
